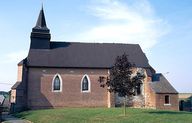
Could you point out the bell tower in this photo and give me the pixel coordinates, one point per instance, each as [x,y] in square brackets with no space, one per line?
[40,35]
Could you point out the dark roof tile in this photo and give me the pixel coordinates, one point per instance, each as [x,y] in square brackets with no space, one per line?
[17,85]
[162,86]
[87,55]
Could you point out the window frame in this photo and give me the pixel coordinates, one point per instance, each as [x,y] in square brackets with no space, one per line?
[169,100]
[61,83]
[89,84]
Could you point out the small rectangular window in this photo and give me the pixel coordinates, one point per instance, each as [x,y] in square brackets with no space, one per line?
[167,99]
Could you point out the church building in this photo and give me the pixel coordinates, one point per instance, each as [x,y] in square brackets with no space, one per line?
[65,74]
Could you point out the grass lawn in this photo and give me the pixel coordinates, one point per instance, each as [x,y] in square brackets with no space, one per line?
[105,115]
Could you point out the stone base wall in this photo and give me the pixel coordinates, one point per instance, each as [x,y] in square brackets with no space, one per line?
[135,101]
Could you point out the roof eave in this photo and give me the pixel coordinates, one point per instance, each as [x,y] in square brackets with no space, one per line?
[167,93]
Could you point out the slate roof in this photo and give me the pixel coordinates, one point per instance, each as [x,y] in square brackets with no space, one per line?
[17,85]
[21,62]
[41,23]
[86,55]
[162,86]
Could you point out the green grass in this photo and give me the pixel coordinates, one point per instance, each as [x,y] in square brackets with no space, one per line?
[105,115]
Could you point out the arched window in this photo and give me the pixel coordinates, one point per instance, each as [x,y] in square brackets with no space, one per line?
[57,83]
[85,84]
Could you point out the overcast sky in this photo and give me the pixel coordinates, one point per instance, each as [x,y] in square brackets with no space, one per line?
[163,28]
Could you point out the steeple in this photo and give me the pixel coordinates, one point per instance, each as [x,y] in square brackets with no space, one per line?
[40,36]
[41,23]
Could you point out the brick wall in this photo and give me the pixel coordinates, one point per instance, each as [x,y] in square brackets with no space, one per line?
[174,104]
[150,96]
[13,96]
[40,93]
[19,95]
[19,73]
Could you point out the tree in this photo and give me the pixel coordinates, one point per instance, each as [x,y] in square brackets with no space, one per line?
[122,80]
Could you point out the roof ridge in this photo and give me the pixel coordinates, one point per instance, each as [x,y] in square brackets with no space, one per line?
[92,43]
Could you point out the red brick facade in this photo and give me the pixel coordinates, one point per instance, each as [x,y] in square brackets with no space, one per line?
[40,94]
[173,105]
[150,100]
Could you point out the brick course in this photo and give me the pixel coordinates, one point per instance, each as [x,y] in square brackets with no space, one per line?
[40,88]
[160,102]
[40,95]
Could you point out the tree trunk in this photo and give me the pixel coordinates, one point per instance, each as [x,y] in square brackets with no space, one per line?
[124,106]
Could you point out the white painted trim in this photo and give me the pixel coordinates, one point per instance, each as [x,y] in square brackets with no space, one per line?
[61,83]
[89,84]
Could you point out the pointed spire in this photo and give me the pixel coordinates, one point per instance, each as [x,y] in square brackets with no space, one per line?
[41,20]
[41,23]
[40,35]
